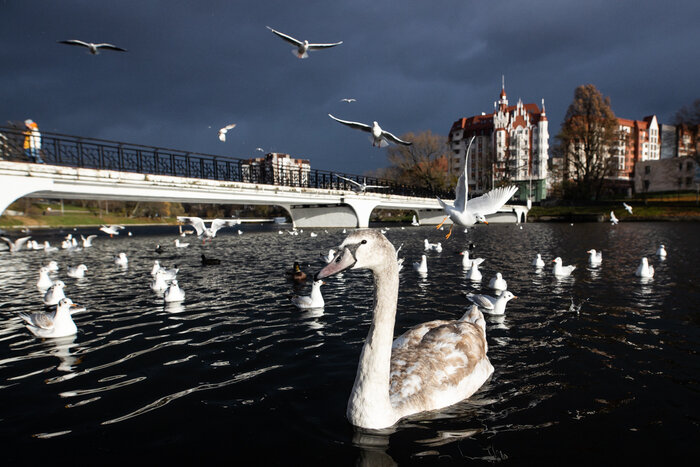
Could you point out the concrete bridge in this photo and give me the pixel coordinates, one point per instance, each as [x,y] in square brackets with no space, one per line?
[307,207]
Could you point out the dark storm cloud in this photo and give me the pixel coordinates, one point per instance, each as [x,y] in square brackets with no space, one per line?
[193,67]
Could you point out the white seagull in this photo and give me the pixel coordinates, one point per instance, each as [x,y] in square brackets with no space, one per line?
[538,262]
[562,271]
[469,213]
[348,100]
[53,266]
[644,269]
[159,284]
[174,293]
[87,241]
[628,208]
[54,294]
[329,257]
[427,246]
[222,132]
[180,245]
[57,323]
[467,261]
[613,219]
[77,272]
[498,283]
[379,138]
[93,48]
[302,47]
[595,258]
[208,232]
[474,274]
[44,281]
[661,251]
[315,300]
[415,222]
[111,229]
[491,305]
[15,245]
[422,266]
[121,259]
[360,187]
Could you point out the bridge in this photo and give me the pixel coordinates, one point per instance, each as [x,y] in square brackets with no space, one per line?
[89,168]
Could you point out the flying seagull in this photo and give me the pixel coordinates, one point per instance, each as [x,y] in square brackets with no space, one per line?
[302,47]
[469,213]
[628,208]
[92,48]
[380,138]
[348,100]
[17,244]
[210,232]
[222,132]
[360,187]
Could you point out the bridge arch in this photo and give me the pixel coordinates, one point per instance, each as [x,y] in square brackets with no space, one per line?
[16,187]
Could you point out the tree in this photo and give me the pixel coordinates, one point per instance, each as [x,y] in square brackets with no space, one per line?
[422,164]
[688,121]
[586,141]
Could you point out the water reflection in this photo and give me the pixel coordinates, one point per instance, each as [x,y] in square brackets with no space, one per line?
[62,350]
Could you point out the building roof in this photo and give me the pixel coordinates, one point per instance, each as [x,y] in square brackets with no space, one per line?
[486,120]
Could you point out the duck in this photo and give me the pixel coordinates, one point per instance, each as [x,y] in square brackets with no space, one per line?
[538,262]
[315,300]
[498,283]
[595,258]
[54,294]
[661,251]
[57,323]
[121,259]
[210,261]
[296,273]
[173,293]
[474,274]
[467,261]
[77,272]
[562,271]
[422,266]
[159,284]
[489,304]
[44,281]
[430,366]
[159,249]
[644,269]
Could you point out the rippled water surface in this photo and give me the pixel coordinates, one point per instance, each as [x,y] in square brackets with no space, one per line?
[236,372]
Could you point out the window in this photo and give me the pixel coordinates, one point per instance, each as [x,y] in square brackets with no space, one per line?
[647,169]
[688,181]
[646,185]
[689,166]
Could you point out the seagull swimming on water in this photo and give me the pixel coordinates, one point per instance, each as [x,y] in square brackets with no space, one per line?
[302,47]
[224,130]
[380,138]
[93,48]
[57,323]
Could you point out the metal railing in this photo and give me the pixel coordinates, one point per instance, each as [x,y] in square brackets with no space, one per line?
[93,153]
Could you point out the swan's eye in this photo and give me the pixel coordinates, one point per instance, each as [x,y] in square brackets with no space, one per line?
[337,260]
[363,242]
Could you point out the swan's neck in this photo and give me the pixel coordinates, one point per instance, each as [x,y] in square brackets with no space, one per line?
[369,405]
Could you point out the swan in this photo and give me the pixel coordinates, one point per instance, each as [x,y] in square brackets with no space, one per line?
[474,274]
[430,366]
[538,262]
[44,281]
[77,272]
[491,305]
[562,271]
[422,266]
[498,283]
[55,294]
[315,300]
[595,258]
[57,323]
[644,269]
[173,293]
[661,251]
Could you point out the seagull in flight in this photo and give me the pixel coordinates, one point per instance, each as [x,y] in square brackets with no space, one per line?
[302,47]
[360,187]
[210,232]
[348,100]
[380,138]
[17,244]
[613,219]
[93,48]
[469,213]
[628,208]
[222,132]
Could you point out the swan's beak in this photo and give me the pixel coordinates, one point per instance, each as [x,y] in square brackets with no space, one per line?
[344,259]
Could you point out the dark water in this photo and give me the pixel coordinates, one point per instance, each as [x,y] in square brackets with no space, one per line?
[238,374]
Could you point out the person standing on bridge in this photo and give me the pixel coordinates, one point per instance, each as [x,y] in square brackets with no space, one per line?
[32,142]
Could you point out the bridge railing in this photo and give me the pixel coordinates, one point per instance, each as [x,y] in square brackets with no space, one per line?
[93,153]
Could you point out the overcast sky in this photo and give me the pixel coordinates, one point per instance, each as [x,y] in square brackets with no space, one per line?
[195,66]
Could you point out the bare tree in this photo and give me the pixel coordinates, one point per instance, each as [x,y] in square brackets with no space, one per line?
[587,138]
[424,163]
[688,119]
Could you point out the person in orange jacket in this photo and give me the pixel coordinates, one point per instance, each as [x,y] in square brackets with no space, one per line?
[32,142]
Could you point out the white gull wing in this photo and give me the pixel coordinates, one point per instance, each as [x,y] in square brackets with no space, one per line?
[224,130]
[287,38]
[462,187]
[483,301]
[349,180]
[393,138]
[218,224]
[104,45]
[355,125]
[17,244]
[323,46]
[40,320]
[76,42]
[492,201]
[195,222]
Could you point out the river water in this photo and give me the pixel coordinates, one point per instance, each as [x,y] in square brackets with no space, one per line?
[237,373]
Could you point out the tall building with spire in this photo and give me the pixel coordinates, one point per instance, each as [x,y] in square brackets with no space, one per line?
[510,145]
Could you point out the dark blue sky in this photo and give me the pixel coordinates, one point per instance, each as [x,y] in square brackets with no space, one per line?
[193,67]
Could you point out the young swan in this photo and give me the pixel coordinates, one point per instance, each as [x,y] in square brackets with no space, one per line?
[430,366]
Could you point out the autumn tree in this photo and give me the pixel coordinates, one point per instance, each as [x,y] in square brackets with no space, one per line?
[422,164]
[588,138]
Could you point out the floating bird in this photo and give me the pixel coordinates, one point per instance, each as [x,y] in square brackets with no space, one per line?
[415,222]
[467,213]
[159,249]
[348,100]
[361,187]
[224,130]
[562,271]
[296,274]
[422,266]
[52,266]
[210,261]
[208,232]
[121,259]
[498,283]
[467,261]
[613,219]
[302,47]
[54,294]
[17,244]
[313,234]
[379,138]
[430,366]
[87,241]
[315,300]
[48,247]
[427,246]
[474,274]
[180,245]
[111,229]
[537,262]
[57,323]
[399,261]
[628,208]
[491,305]
[93,48]
[155,268]
[173,293]
[77,272]
[595,258]
[240,232]
[44,281]
[661,251]
[644,269]
[159,284]
[329,257]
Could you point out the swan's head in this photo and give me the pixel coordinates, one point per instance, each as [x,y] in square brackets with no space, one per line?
[480,218]
[362,249]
